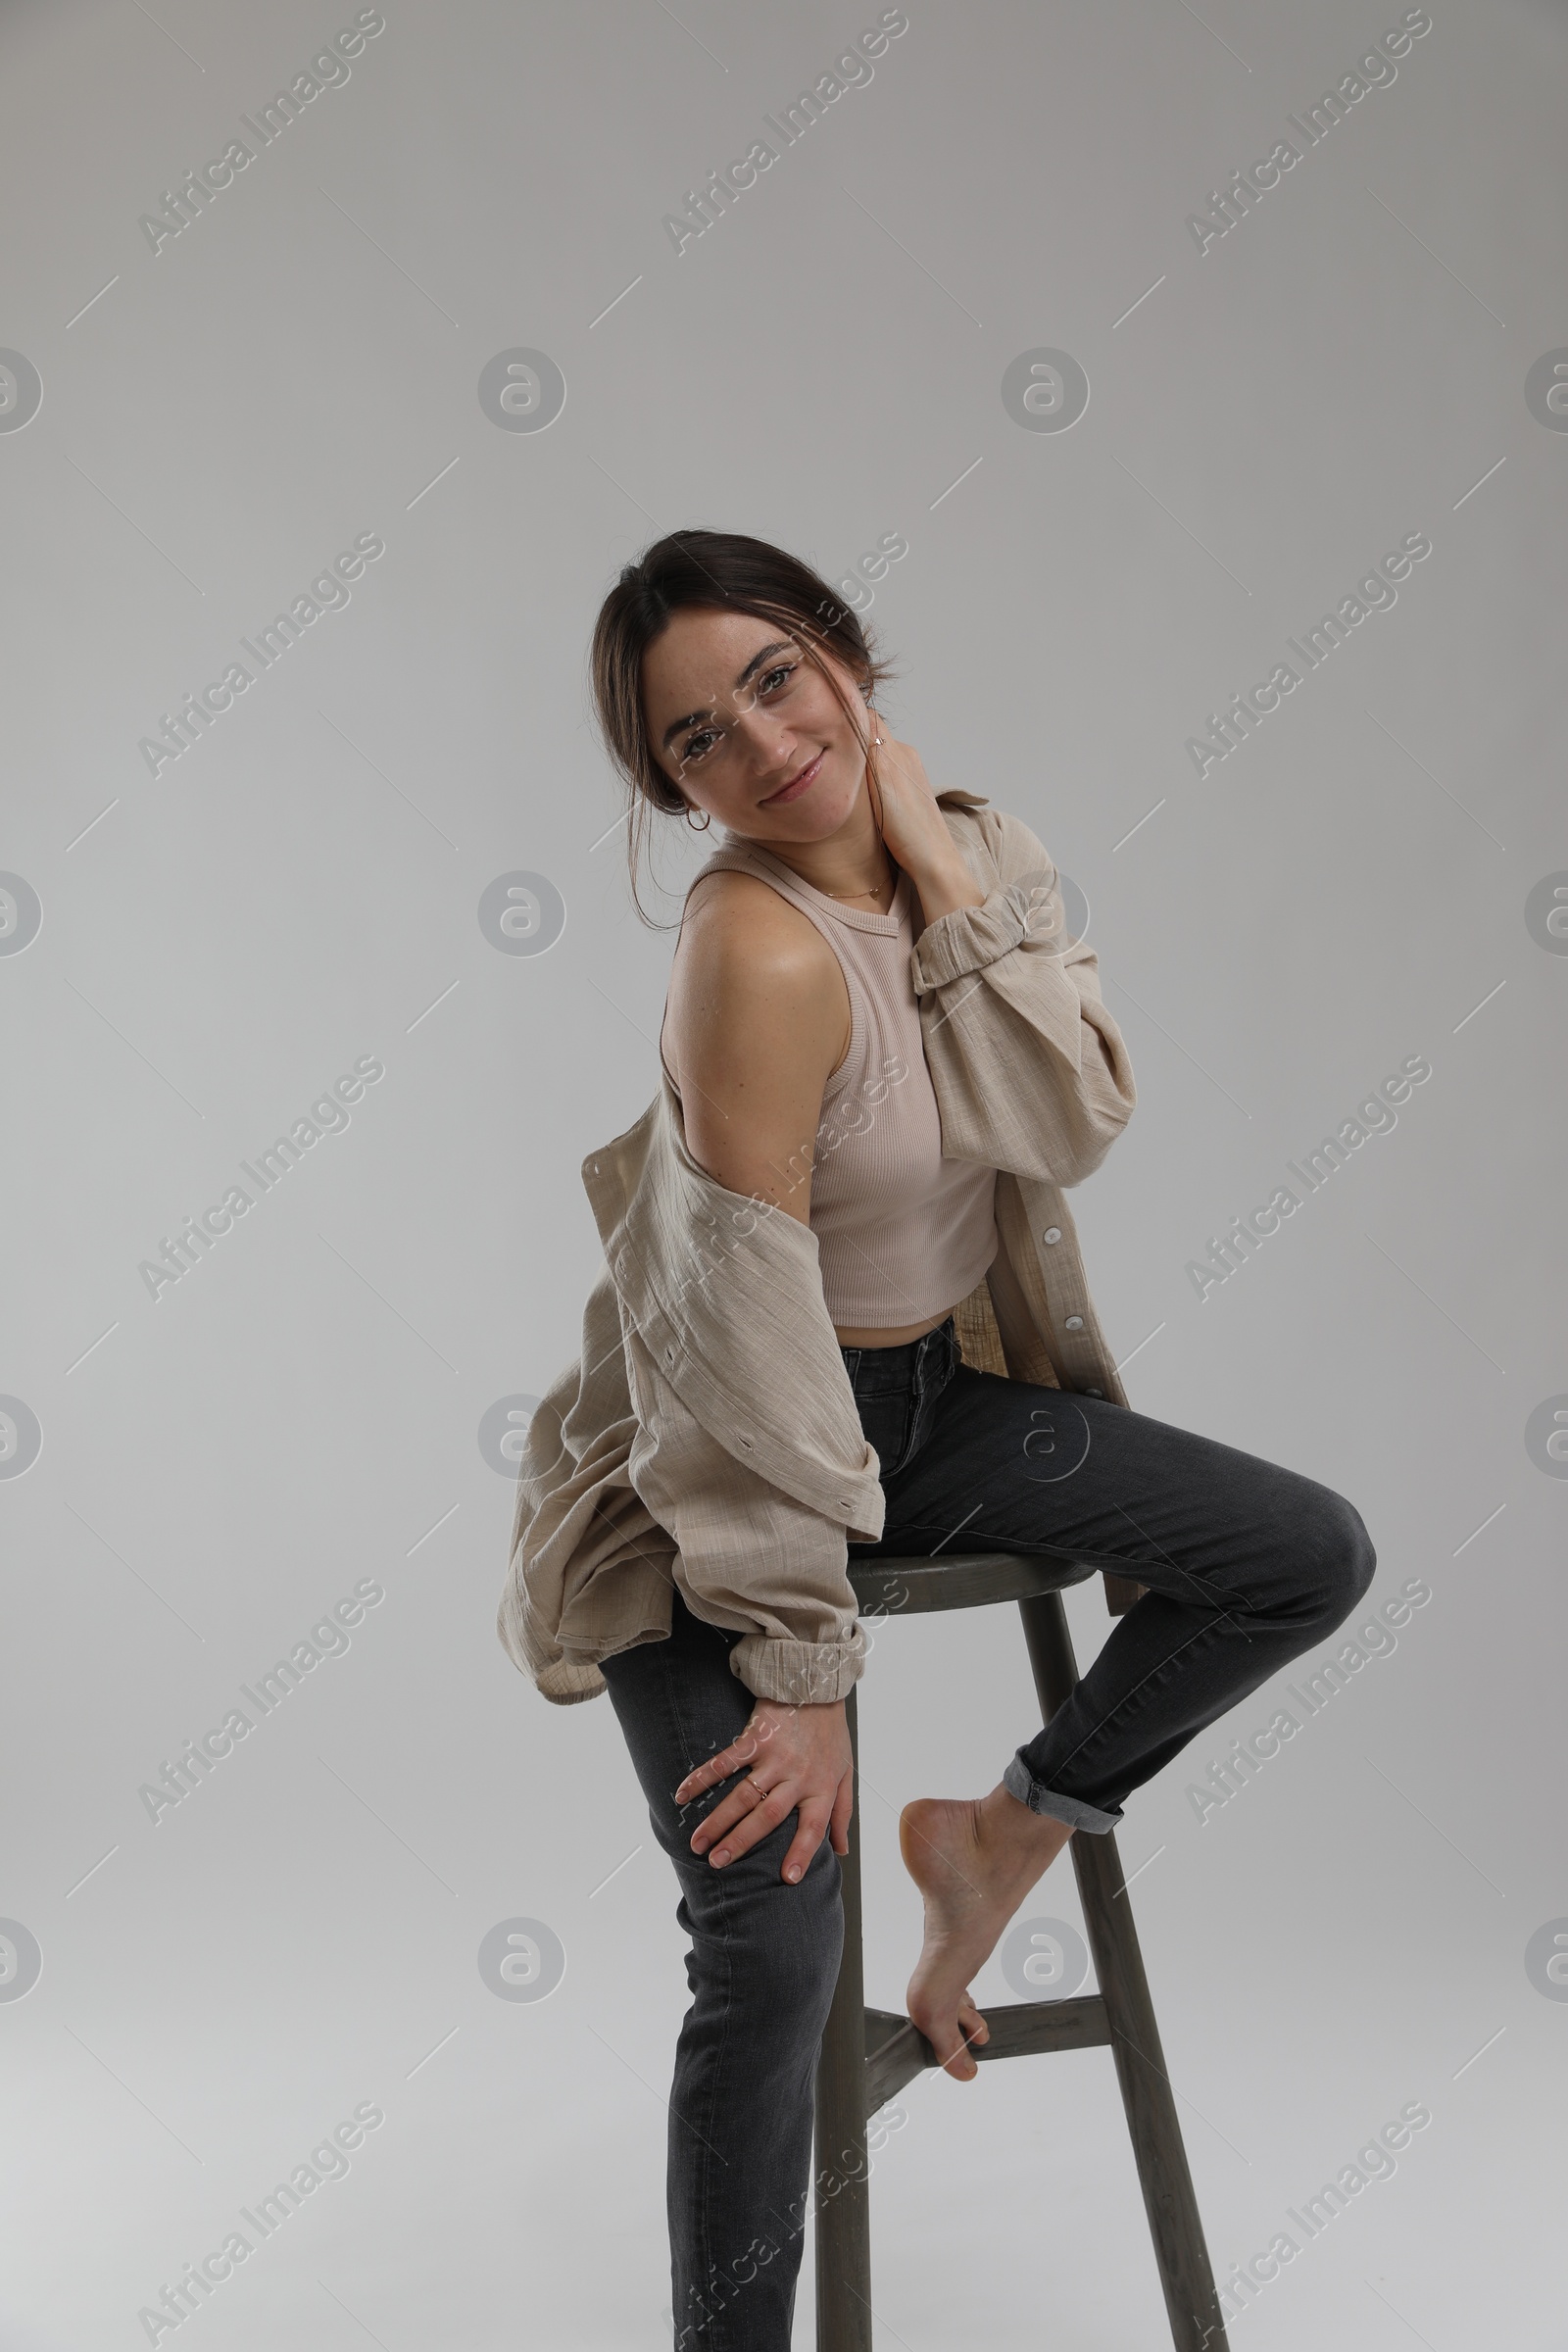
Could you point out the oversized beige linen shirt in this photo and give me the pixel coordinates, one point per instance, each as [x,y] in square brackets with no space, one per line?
[708,1435]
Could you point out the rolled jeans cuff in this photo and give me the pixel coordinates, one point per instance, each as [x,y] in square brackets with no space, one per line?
[1020,1781]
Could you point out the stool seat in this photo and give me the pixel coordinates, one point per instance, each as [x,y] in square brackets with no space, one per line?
[966,1580]
[867,2055]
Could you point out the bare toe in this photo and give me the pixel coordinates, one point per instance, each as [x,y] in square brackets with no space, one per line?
[972,2025]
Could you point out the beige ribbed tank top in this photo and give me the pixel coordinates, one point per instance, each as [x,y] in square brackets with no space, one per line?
[902,1233]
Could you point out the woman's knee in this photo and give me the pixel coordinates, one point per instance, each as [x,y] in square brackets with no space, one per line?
[776,1942]
[1341,1561]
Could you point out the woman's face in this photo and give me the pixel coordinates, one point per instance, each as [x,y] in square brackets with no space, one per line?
[751,730]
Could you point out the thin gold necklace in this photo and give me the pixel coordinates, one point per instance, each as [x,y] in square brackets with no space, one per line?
[874,891]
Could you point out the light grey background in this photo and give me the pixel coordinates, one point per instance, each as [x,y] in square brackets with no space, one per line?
[301,1411]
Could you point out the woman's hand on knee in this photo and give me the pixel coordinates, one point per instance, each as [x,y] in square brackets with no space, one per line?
[795,1760]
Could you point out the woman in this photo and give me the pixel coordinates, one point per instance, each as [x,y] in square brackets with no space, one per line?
[883,1059]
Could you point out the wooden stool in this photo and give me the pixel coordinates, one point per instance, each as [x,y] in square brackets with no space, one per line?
[869,2054]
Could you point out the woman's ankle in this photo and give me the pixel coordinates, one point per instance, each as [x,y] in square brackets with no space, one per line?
[1017,1828]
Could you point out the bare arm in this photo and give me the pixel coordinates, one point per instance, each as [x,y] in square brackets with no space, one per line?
[757,1021]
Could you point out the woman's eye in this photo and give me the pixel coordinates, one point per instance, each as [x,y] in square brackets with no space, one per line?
[699,744]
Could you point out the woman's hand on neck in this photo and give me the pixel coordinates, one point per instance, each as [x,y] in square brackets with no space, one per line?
[912,835]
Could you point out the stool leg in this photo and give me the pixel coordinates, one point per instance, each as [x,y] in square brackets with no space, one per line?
[1180,2250]
[843,2231]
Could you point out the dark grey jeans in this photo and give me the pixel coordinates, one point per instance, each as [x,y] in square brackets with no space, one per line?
[1247,1566]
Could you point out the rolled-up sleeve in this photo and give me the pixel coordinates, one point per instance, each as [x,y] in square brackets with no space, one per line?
[1030,1071]
[972,936]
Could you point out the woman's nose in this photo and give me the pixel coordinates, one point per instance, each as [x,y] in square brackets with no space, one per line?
[763,742]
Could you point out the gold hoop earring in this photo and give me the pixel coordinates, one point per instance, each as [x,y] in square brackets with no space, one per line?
[708,818]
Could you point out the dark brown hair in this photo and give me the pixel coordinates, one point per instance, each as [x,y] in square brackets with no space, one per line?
[728,573]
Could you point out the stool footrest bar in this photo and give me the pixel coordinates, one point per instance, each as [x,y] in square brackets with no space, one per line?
[895,2050]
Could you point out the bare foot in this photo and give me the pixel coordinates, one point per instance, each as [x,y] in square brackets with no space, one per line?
[974,1859]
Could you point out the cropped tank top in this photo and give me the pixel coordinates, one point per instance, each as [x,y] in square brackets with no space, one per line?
[902,1233]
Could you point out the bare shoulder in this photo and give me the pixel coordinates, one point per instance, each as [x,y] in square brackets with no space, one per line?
[749,962]
[756,1021]
[730,903]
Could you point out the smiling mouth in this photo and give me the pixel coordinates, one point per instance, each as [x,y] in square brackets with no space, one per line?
[796,785]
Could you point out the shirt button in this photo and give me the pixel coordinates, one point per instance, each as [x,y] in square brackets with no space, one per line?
[1094,1392]
[1075,1322]
[1053,1233]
